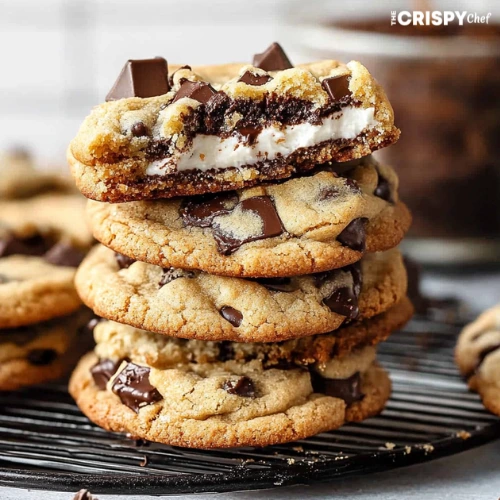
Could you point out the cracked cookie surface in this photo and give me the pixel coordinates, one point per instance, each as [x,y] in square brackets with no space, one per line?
[233,134]
[191,304]
[301,226]
[478,357]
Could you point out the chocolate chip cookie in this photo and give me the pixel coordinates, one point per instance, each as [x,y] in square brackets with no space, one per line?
[224,394]
[478,357]
[191,131]
[193,304]
[303,225]
[34,354]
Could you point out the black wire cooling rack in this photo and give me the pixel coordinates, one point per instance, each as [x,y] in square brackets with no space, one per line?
[46,443]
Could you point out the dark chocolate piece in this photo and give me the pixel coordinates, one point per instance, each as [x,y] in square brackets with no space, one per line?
[354,235]
[123,261]
[141,78]
[348,389]
[249,134]
[139,129]
[64,254]
[171,77]
[272,59]
[200,210]
[103,370]
[278,284]
[33,245]
[383,189]
[133,388]
[255,80]
[199,91]
[264,207]
[42,357]
[243,387]
[343,301]
[172,274]
[232,315]
[337,87]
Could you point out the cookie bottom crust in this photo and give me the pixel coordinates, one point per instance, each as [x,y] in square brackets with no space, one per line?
[107,182]
[319,413]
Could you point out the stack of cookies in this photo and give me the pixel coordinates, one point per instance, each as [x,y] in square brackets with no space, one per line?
[43,238]
[248,267]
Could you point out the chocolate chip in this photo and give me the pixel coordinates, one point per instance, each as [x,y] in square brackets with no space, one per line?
[226,351]
[64,254]
[123,261]
[42,357]
[272,59]
[255,80]
[103,370]
[383,189]
[250,134]
[329,193]
[84,495]
[243,387]
[232,315]
[141,78]
[199,91]
[201,210]
[348,389]
[343,301]
[33,245]
[278,284]
[172,274]
[354,235]
[337,87]
[262,206]
[171,78]
[353,185]
[139,129]
[133,388]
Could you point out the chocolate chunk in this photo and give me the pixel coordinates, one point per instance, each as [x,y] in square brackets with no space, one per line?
[172,274]
[249,134]
[33,245]
[171,77]
[337,87]
[103,370]
[255,80]
[243,387]
[133,388]
[199,91]
[64,254]
[354,235]
[139,129]
[141,78]
[84,495]
[348,389]
[123,261]
[42,357]
[262,206]
[226,351]
[272,59]
[278,284]
[201,210]
[383,189]
[232,315]
[329,193]
[343,301]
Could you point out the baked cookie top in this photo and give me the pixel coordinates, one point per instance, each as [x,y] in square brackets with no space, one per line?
[300,226]
[478,357]
[214,128]
[192,304]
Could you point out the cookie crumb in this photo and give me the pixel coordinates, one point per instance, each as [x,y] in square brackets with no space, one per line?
[463,435]
[298,449]
[407,450]
[390,446]
[290,461]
